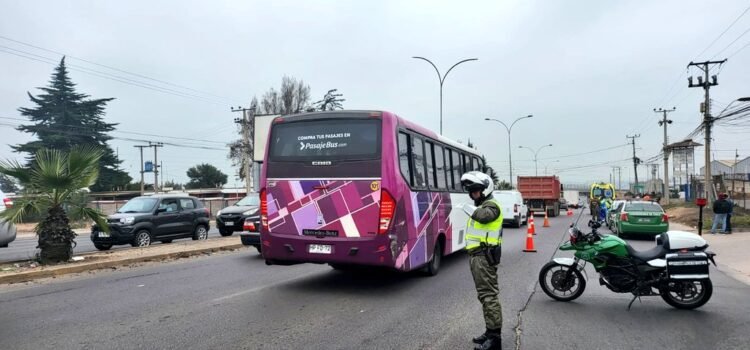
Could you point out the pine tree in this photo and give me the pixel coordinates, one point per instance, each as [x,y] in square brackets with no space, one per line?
[63,119]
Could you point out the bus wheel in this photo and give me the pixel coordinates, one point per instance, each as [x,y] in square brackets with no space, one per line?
[433,267]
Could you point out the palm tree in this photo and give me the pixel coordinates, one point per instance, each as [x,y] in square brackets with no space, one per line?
[51,189]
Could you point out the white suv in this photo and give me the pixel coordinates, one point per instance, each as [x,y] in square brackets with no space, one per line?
[7,229]
[515,212]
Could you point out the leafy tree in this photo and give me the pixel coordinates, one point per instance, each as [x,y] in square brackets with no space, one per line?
[331,101]
[293,97]
[205,176]
[503,185]
[7,184]
[53,190]
[63,119]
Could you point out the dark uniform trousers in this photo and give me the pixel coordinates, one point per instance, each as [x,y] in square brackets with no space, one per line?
[485,280]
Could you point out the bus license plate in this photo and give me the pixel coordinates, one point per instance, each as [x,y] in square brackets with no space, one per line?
[319,249]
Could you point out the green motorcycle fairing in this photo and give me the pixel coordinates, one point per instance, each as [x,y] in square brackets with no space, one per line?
[612,245]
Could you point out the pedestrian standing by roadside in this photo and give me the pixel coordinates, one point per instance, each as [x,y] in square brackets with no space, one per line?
[721,209]
[483,242]
[729,214]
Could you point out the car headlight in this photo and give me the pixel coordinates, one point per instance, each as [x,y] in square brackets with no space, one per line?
[218,213]
[127,221]
[250,212]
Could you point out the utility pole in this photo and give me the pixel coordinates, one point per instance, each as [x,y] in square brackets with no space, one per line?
[156,146]
[636,161]
[703,82]
[664,122]
[142,180]
[616,172]
[248,131]
[734,170]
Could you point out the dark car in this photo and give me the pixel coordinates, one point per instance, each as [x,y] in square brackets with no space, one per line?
[232,218]
[143,220]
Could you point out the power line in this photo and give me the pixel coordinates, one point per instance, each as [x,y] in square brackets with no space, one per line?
[129,132]
[112,68]
[31,56]
[722,33]
[74,133]
[732,43]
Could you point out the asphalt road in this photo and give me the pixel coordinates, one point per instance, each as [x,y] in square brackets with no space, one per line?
[25,247]
[234,301]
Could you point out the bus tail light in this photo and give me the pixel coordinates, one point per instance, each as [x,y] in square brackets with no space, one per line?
[387,210]
[263,209]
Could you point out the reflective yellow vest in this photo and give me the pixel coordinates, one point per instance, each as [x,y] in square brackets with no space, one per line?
[489,233]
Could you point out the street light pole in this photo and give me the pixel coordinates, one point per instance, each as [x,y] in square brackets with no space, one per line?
[536,154]
[441,78]
[510,159]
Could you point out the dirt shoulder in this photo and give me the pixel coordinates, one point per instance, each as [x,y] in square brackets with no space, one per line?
[688,215]
[27,271]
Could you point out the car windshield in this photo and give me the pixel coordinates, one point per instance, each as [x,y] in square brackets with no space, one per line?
[138,205]
[646,207]
[250,200]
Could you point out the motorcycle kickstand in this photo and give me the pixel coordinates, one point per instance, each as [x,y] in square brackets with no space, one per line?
[632,301]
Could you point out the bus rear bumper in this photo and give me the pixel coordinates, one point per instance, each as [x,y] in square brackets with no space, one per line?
[297,250]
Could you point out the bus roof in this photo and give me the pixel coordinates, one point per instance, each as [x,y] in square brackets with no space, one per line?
[384,114]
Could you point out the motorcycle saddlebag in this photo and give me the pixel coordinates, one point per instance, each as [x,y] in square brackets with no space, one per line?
[687,265]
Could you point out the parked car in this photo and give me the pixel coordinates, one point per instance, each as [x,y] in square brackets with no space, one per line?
[232,218]
[143,220]
[639,217]
[515,212]
[7,229]
[613,212]
[250,234]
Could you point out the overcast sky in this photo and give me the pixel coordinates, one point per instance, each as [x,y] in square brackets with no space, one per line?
[590,72]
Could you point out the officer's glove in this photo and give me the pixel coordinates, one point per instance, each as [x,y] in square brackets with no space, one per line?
[468,208]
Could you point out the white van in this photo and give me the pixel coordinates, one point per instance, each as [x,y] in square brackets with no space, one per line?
[7,229]
[515,213]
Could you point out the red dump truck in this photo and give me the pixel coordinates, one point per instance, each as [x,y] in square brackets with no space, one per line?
[541,193]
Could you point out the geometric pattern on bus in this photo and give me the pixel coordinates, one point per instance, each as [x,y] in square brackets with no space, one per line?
[353,207]
[349,207]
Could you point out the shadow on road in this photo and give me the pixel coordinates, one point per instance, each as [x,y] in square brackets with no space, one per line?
[366,280]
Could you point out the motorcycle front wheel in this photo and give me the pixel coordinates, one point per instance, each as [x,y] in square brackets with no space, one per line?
[561,282]
[687,294]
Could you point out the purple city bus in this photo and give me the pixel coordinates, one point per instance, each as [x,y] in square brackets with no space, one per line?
[362,188]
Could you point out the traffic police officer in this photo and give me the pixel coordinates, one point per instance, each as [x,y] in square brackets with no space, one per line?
[483,242]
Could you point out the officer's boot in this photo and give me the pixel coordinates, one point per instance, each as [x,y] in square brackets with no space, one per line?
[480,339]
[492,343]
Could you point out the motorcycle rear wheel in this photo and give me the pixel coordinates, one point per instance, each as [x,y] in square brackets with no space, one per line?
[553,283]
[687,294]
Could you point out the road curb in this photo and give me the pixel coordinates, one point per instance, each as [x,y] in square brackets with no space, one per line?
[55,271]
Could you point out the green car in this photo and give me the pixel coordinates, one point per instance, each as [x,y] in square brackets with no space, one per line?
[640,217]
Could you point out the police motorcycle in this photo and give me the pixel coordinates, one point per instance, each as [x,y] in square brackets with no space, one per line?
[675,269]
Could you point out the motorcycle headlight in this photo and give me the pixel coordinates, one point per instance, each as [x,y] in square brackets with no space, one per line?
[127,221]
[250,212]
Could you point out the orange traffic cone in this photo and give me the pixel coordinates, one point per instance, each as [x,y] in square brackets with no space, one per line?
[570,212]
[530,242]
[546,220]
[530,224]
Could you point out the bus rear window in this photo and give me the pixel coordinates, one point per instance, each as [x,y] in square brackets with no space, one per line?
[330,139]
